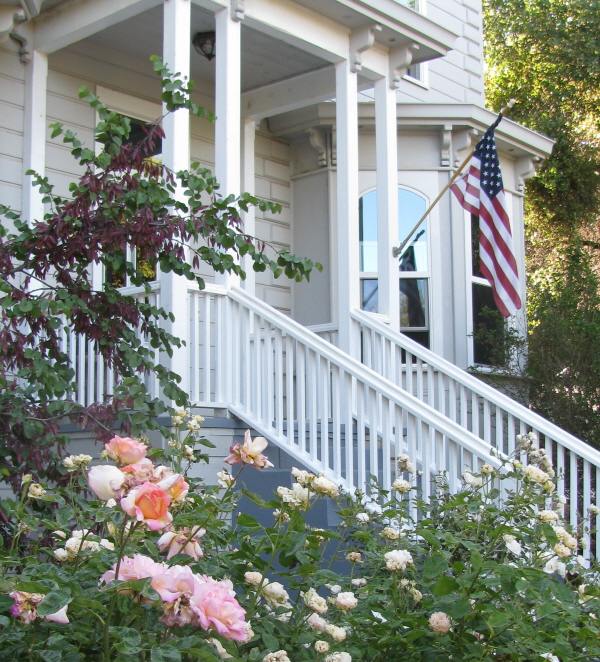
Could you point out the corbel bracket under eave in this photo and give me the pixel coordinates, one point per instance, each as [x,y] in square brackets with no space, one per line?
[238,9]
[446,147]
[526,167]
[360,41]
[318,141]
[400,59]
[9,16]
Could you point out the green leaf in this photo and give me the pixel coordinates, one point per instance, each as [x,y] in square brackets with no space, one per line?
[165,653]
[199,654]
[434,566]
[128,635]
[271,642]
[53,601]
[444,586]
[255,498]
[430,537]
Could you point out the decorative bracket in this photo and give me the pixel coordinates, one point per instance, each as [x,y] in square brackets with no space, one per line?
[238,9]
[318,140]
[400,59]
[525,167]
[446,149]
[462,140]
[360,41]
[8,17]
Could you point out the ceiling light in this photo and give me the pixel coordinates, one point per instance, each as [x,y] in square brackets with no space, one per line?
[205,43]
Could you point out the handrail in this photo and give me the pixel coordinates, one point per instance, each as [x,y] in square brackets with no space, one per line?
[427,414]
[482,389]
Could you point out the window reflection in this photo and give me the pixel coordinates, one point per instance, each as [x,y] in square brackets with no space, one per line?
[413,303]
[369,295]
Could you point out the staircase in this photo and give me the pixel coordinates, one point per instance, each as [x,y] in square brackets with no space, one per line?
[350,419]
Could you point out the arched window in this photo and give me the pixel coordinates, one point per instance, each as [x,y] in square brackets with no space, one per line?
[413,264]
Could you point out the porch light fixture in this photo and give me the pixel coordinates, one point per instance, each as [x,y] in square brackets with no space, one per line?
[205,43]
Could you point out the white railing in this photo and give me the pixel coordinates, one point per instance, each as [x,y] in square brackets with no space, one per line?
[94,381]
[482,410]
[328,411]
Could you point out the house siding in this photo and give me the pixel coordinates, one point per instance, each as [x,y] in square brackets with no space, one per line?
[12,94]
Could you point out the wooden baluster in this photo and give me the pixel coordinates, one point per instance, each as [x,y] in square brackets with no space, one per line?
[360,421]
[336,419]
[587,502]
[289,387]
[301,368]
[573,489]
[206,346]
[279,392]
[387,416]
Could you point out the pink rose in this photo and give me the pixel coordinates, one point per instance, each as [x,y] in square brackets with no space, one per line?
[125,450]
[216,609]
[105,481]
[25,608]
[175,486]
[250,452]
[148,503]
[178,543]
[137,567]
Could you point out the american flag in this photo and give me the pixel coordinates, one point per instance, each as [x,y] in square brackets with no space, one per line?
[480,191]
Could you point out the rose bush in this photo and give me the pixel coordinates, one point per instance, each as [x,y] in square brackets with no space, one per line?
[141,562]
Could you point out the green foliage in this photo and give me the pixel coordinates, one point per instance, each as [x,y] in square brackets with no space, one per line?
[124,203]
[564,364]
[473,576]
[544,53]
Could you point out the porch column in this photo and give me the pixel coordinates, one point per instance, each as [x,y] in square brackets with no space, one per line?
[176,156]
[348,290]
[228,111]
[386,140]
[34,134]
[248,174]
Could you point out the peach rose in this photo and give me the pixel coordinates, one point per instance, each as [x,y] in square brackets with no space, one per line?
[216,609]
[250,452]
[178,543]
[175,486]
[125,450]
[105,481]
[148,503]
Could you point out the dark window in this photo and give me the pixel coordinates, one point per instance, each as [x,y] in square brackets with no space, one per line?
[369,298]
[137,134]
[475,246]
[488,328]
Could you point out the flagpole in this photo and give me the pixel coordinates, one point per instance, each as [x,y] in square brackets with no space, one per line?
[396,251]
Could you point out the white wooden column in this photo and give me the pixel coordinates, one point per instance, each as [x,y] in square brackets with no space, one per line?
[386,139]
[348,291]
[248,175]
[176,156]
[34,134]
[228,111]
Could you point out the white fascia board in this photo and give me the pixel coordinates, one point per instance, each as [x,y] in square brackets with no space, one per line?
[459,116]
[73,21]
[399,22]
[289,94]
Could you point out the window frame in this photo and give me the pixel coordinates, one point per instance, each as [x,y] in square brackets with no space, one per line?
[138,109]
[408,275]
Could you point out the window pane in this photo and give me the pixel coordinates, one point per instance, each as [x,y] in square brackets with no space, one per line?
[367,211]
[422,337]
[369,296]
[413,303]
[410,209]
[488,328]
[475,246]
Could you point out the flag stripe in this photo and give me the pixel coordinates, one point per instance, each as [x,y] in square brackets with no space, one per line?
[480,192]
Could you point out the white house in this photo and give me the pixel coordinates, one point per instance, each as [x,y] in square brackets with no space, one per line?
[353,114]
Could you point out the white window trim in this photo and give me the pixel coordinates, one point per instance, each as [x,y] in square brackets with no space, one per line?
[140,109]
[424,80]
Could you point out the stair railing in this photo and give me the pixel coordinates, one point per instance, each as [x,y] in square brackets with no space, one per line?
[328,411]
[482,410]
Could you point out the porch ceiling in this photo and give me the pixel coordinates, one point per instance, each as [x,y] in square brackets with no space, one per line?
[264,58]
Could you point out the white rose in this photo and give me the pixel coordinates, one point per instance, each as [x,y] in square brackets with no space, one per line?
[562,550]
[61,554]
[336,633]
[363,517]
[471,480]
[322,485]
[105,481]
[401,485]
[346,601]
[36,491]
[339,657]
[439,622]
[359,582]
[335,588]
[398,559]
[512,544]
[321,647]
[594,510]
[253,578]
[314,601]
[547,516]
[275,594]
[487,469]
[107,544]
